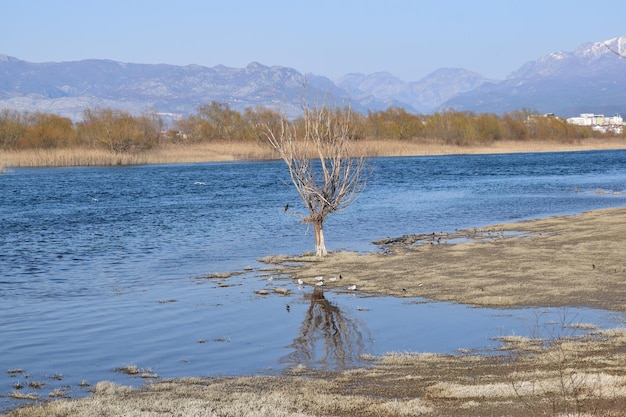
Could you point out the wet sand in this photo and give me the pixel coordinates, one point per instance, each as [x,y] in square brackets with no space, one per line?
[559,261]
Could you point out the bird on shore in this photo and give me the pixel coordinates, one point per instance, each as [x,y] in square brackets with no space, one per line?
[300,282]
[319,283]
[352,287]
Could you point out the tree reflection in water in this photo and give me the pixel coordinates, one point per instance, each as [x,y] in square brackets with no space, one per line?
[327,338]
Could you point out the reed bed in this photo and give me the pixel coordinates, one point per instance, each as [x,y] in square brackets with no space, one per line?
[165,154]
[221,151]
[424,147]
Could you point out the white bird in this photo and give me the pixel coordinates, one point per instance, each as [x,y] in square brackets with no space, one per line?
[319,278]
[352,287]
[300,282]
[320,283]
[270,279]
[333,279]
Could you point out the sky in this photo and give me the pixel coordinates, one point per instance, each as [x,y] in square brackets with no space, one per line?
[409,39]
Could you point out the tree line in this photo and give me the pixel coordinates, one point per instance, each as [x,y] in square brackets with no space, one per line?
[114,130]
[120,131]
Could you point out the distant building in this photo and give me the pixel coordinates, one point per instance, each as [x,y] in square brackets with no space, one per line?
[599,122]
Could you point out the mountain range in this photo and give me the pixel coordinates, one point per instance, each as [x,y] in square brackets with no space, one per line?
[590,79]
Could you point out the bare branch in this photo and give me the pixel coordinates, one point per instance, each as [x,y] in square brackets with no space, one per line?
[324,168]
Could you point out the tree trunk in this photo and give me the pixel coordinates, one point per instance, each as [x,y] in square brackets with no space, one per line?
[320,246]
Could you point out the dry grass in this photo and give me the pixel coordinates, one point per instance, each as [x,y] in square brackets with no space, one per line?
[166,154]
[423,147]
[221,151]
[583,377]
[560,261]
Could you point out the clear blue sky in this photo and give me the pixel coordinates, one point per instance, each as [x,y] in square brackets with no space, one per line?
[408,38]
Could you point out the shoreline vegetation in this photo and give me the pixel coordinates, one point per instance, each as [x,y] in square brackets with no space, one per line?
[562,261]
[217,133]
[231,151]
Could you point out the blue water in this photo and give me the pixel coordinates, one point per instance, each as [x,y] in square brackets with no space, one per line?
[103,267]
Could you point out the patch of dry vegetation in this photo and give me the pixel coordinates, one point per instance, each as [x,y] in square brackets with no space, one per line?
[423,147]
[559,261]
[583,376]
[219,151]
[223,151]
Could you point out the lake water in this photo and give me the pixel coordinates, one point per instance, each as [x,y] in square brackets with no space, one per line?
[102,268]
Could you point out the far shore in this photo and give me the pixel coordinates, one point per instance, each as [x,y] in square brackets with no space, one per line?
[225,151]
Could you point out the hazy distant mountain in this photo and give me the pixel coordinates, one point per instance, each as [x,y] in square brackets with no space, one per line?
[587,80]
[67,88]
[423,96]
[591,79]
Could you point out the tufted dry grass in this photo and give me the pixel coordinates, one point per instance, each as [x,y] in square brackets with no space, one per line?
[558,261]
[582,377]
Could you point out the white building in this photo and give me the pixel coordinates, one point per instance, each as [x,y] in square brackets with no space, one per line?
[599,122]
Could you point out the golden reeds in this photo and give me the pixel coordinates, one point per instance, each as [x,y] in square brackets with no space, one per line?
[220,151]
[423,147]
[166,154]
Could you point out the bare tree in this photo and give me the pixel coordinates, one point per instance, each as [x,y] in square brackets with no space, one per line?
[120,131]
[324,167]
